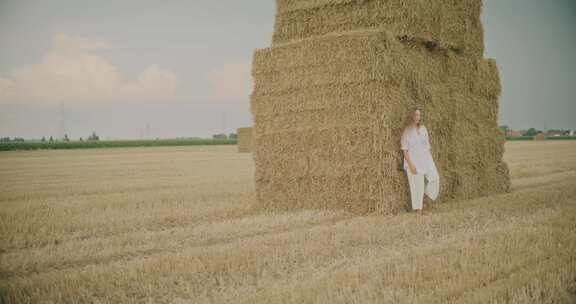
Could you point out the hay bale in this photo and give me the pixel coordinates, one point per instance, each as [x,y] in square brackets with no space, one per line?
[539,136]
[244,137]
[329,111]
[489,87]
[452,22]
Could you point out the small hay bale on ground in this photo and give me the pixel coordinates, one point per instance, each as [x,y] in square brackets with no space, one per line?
[244,139]
[539,136]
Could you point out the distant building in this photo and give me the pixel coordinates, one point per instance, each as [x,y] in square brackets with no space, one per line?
[514,133]
[555,133]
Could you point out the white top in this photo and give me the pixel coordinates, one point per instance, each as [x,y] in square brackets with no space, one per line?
[418,148]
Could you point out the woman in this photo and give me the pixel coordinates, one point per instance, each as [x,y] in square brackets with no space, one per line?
[418,162]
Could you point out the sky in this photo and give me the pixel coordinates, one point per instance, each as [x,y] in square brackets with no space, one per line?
[147,69]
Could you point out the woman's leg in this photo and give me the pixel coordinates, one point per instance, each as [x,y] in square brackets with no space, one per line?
[416,182]
[432,188]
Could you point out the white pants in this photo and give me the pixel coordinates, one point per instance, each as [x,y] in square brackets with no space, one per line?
[417,189]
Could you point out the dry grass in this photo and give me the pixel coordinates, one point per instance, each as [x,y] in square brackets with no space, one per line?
[176,225]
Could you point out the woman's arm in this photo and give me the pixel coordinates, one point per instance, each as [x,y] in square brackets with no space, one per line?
[404,147]
[409,161]
[427,139]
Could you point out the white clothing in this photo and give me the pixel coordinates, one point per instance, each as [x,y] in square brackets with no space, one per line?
[418,148]
[417,189]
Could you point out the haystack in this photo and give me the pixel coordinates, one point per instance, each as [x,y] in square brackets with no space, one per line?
[331,97]
[539,136]
[244,139]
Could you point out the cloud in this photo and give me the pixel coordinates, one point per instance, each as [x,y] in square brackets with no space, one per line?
[70,72]
[230,82]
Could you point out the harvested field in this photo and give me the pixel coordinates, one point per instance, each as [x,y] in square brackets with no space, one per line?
[177,225]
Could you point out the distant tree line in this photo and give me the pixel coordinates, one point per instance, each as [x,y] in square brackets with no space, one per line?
[91,137]
[533,132]
[15,139]
[95,137]
[224,136]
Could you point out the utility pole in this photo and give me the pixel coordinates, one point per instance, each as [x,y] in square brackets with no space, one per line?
[147,130]
[62,121]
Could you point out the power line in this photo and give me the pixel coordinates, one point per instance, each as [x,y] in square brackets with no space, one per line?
[148,130]
[62,120]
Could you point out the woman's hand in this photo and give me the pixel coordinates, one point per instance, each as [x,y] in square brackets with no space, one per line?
[412,168]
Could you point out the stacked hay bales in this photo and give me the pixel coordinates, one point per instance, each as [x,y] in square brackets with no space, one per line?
[331,98]
[244,139]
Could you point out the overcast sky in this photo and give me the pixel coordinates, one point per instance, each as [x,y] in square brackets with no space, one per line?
[183,67]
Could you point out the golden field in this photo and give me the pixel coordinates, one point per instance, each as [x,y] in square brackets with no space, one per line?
[175,225]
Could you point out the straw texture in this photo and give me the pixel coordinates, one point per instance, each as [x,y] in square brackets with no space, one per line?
[454,22]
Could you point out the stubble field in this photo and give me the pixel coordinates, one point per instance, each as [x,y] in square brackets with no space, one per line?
[175,225]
